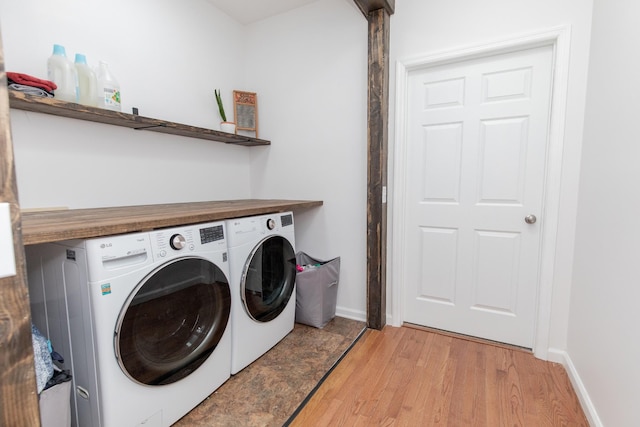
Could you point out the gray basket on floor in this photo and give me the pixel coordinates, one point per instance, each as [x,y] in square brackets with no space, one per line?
[55,406]
[316,290]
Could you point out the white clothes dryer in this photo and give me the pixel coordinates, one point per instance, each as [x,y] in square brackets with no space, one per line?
[142,320]
[262,267]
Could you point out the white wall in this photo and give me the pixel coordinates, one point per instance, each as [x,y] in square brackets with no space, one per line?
[168,57]
[420,28]
[603,338]
[309,68]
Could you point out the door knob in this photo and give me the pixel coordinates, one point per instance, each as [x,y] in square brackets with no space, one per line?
[530,219]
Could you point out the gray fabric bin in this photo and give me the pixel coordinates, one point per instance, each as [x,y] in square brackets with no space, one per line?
[316,290]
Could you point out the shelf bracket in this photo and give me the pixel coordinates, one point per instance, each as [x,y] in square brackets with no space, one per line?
[161,125]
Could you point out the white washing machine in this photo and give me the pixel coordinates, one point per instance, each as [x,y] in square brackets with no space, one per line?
[262,267]
[143,321]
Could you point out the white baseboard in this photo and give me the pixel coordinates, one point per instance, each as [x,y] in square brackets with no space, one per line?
[562,357]
[351,314]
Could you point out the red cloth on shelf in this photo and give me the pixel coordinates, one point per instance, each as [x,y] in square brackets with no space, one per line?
[27,80]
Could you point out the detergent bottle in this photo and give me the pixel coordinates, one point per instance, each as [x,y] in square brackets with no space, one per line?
[87,82]
[61,71]
[108,89]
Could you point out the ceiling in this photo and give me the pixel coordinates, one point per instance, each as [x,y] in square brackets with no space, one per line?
[249,11]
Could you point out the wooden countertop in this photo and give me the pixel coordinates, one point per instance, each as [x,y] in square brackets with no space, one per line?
[58,225]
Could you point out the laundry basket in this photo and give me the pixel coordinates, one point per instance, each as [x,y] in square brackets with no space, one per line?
[55,409]
[316,289]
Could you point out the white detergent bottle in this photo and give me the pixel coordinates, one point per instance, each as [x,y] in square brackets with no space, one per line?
[62,72]
[108,89]
[87,82]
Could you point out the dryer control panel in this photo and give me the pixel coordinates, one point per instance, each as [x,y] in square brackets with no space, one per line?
[242,231]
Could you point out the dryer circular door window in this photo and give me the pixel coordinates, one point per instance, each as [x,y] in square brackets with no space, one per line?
[268,279]
[173,321]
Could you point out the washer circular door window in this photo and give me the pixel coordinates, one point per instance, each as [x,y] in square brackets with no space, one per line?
[268,278]
[173,321]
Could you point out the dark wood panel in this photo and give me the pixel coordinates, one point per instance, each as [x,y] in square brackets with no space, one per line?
[367,6]
[22,101]
[377,167]
[57,225]
[18,396]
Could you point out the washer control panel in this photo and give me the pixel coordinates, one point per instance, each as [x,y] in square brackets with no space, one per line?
[185,240]
[177,242]
[211,234]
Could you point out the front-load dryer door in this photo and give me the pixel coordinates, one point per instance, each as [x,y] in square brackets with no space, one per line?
[173,321]
[268,279]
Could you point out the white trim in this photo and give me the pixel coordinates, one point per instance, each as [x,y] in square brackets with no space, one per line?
[559,38]
[562,357]
[398,197]
[552,192]
[348,313]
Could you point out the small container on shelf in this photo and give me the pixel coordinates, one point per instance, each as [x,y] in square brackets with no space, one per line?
[87,82]
[108,89]
[61,71]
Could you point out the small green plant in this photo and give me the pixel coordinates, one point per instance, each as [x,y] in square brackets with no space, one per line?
[220,105]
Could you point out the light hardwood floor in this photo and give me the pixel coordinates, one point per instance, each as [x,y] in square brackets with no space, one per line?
[411,377]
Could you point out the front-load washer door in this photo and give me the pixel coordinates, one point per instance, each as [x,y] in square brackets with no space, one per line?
[268,279]
[173,321]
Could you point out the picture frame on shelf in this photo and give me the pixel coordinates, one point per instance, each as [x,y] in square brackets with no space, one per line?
[245,106]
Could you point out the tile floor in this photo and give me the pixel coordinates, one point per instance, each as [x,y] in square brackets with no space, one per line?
[269,391]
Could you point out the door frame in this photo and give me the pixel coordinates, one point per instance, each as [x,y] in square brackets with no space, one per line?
[559,39]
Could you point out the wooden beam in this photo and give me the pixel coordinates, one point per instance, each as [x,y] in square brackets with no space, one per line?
[367,6]
[18,395]
[378,99]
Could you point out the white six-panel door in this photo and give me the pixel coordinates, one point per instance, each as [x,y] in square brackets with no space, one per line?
[476,148]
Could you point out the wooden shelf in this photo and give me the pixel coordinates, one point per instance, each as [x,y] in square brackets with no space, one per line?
[67,224]
[22,101]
